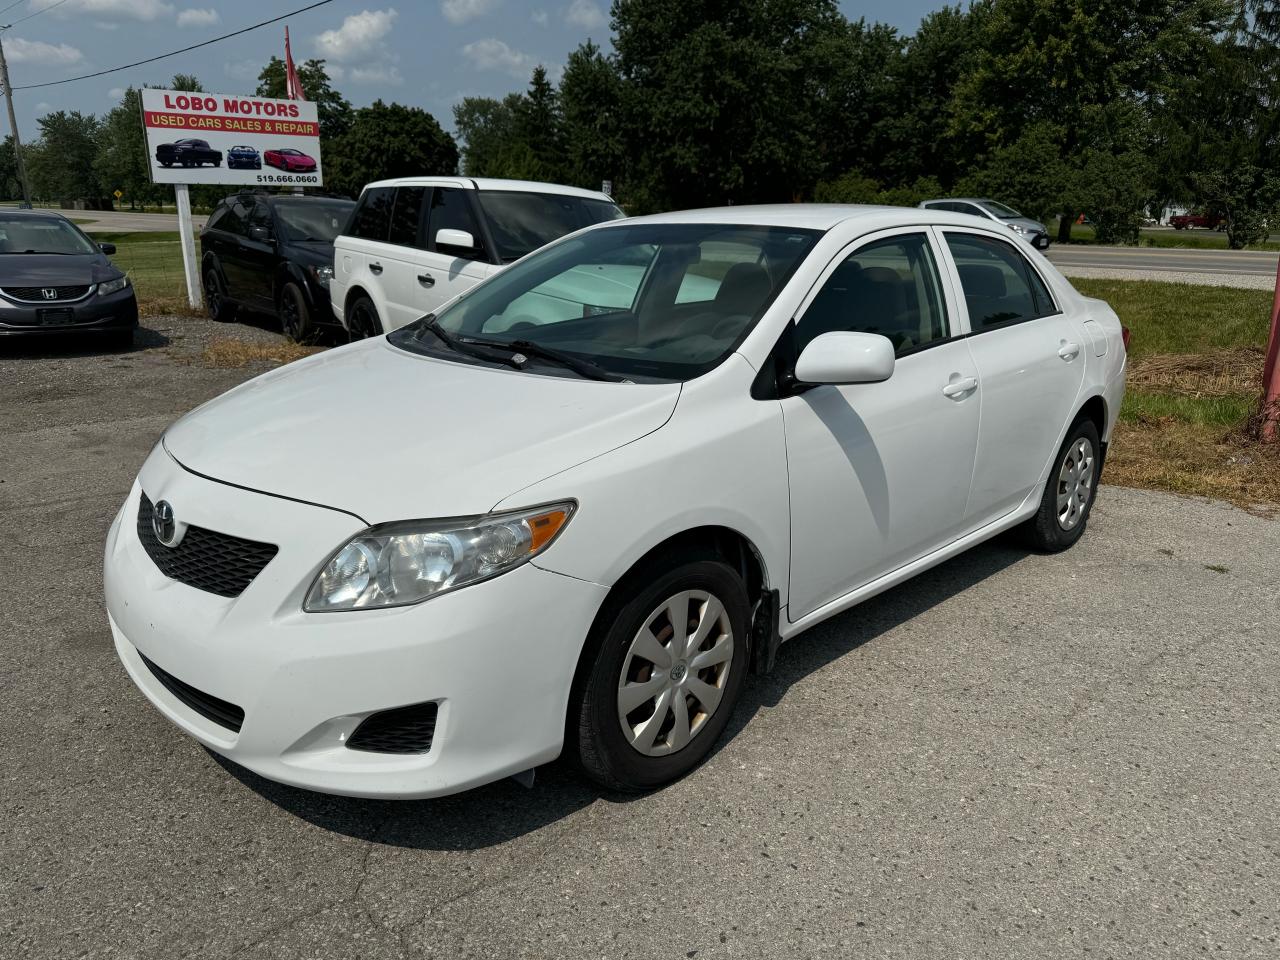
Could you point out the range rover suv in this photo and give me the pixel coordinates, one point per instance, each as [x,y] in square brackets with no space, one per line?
[416,242]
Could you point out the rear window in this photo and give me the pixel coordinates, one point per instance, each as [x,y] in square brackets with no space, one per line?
[522,222]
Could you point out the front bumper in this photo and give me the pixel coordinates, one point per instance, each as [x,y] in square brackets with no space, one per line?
[238,163]
[91,314]
[497,657]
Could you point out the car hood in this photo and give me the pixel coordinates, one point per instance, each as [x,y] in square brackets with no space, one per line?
[313,253]
[51,269]
[389,435]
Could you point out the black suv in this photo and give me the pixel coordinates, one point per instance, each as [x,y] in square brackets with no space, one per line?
[272,253]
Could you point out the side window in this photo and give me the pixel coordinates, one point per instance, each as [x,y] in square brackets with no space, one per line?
[997,282]
[261,217]
[972,209]
[406,217]
[372,216]
[889,287]
[235,220]
[451,210]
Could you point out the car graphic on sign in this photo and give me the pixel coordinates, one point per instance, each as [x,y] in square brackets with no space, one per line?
[293,161]
[188,153]
[243,158]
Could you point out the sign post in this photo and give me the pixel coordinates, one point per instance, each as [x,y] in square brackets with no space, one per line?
[1271,372]
[188,237]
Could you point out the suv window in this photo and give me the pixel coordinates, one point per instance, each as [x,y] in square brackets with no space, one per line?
[889,287]
[451,210]
[522,221]
[406,217]
[1000,286]
[372,217]
[230,218]
[261,217]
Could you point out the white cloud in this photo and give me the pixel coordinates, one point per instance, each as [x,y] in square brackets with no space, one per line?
[115,93]
[359,35]
[540,17]
[584,14]
[389,75]
[107,9]
[198,17]
[45,54]
[492,54]
[460,11]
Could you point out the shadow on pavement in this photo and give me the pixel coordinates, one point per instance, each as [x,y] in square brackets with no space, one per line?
[46,346]
[504,810]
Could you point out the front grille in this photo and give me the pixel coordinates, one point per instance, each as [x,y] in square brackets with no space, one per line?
[36,294]
[205,559]
[221,712]
[403,730]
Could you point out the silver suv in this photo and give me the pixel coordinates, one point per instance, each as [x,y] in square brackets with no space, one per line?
[1033,231]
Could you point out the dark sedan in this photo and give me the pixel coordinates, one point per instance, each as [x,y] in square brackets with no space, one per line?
[243,158]
[54,279]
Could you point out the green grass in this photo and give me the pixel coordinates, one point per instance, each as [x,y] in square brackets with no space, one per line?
[153,262]
[1228,411]
[1182,317]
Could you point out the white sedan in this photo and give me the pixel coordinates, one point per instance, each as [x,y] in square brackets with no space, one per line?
[569,513]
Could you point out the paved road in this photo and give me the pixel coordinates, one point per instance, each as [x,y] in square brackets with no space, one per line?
[1013,756]
[1165,260]
[121,221]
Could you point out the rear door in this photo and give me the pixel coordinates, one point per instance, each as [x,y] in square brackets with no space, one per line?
[233,233]
[258,259]
[408,297]
[1031,363]
[358,251]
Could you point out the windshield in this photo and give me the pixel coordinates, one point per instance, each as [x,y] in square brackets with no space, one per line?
[523,221]
[647,301]
[42,235]
[1001,211]
[305,220]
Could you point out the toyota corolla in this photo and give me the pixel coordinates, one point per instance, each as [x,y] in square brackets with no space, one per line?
[572,510]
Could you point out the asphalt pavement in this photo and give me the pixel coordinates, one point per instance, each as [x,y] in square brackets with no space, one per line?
[1012,756]
[1166,260]
[124,221]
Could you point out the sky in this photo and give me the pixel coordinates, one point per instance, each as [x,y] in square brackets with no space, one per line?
[425,53]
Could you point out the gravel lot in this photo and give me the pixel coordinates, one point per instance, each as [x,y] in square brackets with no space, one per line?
[1012,756]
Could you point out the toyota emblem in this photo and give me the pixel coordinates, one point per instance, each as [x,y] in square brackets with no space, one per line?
[49,293]
[163,524]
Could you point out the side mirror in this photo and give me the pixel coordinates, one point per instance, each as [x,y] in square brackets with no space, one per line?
[107,248]
[259,233]
[455,238]
[843,356]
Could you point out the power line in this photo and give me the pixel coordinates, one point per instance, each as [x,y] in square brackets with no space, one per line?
[18,3]
[173,53]
[29,15]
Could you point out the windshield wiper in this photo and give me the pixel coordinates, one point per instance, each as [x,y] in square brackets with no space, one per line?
[579,365]
[463,346]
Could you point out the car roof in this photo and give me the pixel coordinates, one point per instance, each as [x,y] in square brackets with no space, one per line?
[491,183]
[961,200]
[31,214]
[812,216]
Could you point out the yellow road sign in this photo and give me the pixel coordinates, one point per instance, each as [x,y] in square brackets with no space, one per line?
[119,194]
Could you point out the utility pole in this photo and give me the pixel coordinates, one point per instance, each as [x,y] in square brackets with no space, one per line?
[13,125]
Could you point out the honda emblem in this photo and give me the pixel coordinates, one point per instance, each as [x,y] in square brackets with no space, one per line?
[49,293]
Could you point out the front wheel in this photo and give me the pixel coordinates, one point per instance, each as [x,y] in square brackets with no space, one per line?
[1068,493]
[667,662]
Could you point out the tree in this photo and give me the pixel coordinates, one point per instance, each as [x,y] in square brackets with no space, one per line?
[10,186]
[332,108]
[538,127]
[389,140]
[1247,196]
[187,82]
[590,97]
[1028,174]
[486,128]
[122,162]
[62,167]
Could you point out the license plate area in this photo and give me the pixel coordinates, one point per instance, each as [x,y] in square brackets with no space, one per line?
[55,317]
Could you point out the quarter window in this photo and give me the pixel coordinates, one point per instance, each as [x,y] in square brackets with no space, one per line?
[372,217]
[889,287]
[406,217]
[1000,286]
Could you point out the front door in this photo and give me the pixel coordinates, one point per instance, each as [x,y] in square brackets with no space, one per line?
[879,472]
[1031,361]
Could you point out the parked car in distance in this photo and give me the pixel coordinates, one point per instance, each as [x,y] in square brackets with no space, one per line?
[419,563]
[293,161]
[188,153]
[417,242]
[272,253]
[1189,221]
[243,158]
[1033,231]
[55,280]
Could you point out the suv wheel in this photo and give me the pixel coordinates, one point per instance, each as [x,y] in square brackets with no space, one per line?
[362,319]
[294,314]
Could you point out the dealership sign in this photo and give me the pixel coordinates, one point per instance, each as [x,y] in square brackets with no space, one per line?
[221,138]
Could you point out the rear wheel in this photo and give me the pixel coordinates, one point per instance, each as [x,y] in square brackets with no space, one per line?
[294,313]
[667,662]
[221,310]
[362,319]
[1069,493]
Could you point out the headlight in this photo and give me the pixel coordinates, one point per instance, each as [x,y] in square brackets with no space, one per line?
[1017,228]
[322,274]
[402,563]
[112,286]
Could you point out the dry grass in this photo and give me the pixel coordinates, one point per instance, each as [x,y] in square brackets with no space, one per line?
[228,352]
[1214,373]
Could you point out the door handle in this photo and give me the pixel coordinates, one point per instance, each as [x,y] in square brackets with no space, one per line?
[426,279]
[1069,351]
[375,268]
[958,388]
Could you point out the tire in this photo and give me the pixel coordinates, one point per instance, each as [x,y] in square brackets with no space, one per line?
[628,752]
[1069,492]
[166,163]
[294,313]
[221,310]
[362,319]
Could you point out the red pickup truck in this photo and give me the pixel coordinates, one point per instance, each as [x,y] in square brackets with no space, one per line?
[1187,221]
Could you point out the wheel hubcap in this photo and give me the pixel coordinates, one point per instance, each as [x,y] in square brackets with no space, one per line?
[674,674]
[1075,483]
[211,291]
